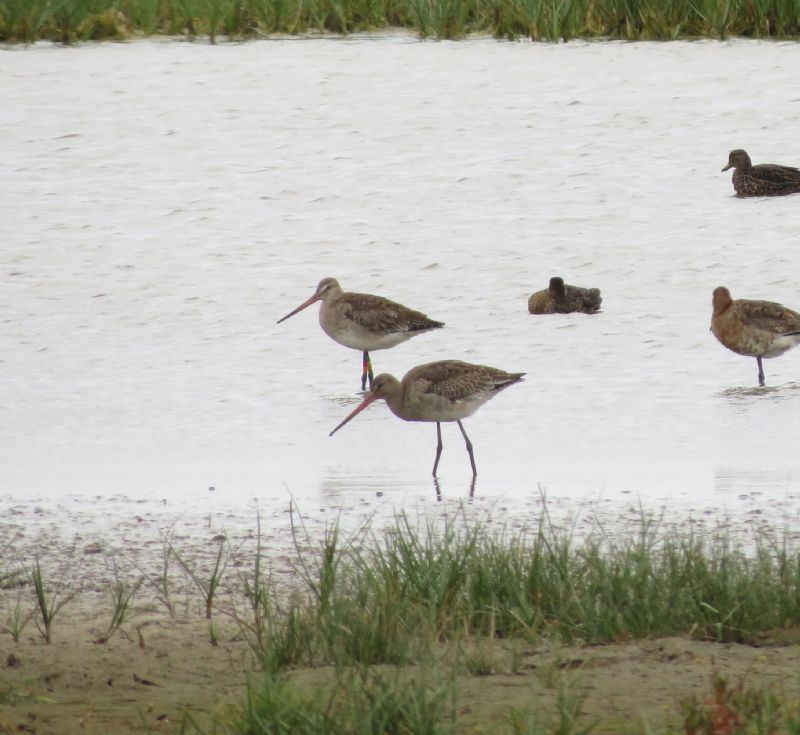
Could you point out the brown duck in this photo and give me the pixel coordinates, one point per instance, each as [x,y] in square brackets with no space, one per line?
[561,298]
[754,328]
[763,179]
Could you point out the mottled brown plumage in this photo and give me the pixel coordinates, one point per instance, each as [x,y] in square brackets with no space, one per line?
[448,390]
[364,322]
[763,179]
[561,298]
[753,328]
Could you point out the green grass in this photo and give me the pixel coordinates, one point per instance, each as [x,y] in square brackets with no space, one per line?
[397,617]
[358,701]
[542,20]
[49,600]
[388,598]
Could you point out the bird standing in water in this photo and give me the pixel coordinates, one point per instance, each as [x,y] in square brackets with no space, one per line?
[448,390]
[754,328]
[364,322]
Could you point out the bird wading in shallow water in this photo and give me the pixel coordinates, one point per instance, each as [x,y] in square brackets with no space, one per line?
[754,328]
[561,298]
[448,390]
[763,179]
[364,322]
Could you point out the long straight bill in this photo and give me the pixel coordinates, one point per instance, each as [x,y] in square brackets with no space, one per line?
[300,308]
[369,399]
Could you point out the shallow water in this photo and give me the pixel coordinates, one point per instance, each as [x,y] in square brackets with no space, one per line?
[166,202]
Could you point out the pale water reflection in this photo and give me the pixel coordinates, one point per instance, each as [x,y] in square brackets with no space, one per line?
[165,203]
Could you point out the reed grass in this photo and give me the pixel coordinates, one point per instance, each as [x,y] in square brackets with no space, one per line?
[207,581]
[359,701]
[401,613]
[389,598]
[11,573]
[541,20]
[567,719]
[49,600]
[739,709]
[122,596]
[17,619]
[276,629]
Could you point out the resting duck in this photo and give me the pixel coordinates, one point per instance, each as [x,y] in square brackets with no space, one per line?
[762,180]
[561,298]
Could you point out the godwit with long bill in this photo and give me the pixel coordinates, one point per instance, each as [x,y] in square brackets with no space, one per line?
[364,322]
[754,328]
[448,390]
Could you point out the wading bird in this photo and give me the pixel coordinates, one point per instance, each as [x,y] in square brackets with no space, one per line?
[364,322]
[754,328]
[449,390]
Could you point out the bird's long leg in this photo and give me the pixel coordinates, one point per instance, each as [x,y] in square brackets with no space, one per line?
[760,371]
[366,371]
[438,447]
[469,449]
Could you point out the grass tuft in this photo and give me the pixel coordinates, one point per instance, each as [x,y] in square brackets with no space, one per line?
[47,601]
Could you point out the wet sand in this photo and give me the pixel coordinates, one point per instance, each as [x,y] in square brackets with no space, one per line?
[161,664]
[159,667]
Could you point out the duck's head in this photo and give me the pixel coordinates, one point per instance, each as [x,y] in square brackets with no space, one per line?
[557,287]
[738,158]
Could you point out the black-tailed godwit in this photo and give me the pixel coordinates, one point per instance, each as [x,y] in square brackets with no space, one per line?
[364,322]
[449,390]
[754,328]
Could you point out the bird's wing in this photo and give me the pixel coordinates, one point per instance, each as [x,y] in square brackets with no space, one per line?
[776,173]
[769,316]
[382,315]
[582,299]
[459,381]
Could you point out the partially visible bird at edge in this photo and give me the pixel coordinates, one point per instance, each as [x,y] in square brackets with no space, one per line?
[760,329]
[763,179]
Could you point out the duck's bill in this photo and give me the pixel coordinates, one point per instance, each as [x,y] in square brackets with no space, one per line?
[300,308]
[357,410]
[727,167]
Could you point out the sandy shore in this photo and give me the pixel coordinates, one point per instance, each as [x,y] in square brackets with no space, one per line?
[165,660]
[159,667]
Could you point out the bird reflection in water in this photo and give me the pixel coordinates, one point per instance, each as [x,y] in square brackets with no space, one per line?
[437,486]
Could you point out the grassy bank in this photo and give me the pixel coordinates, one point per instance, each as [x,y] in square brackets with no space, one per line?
[545,20]
[389,598]
[398,620]
[388,630]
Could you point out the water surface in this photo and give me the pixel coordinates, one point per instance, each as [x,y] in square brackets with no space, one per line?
[166,202]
